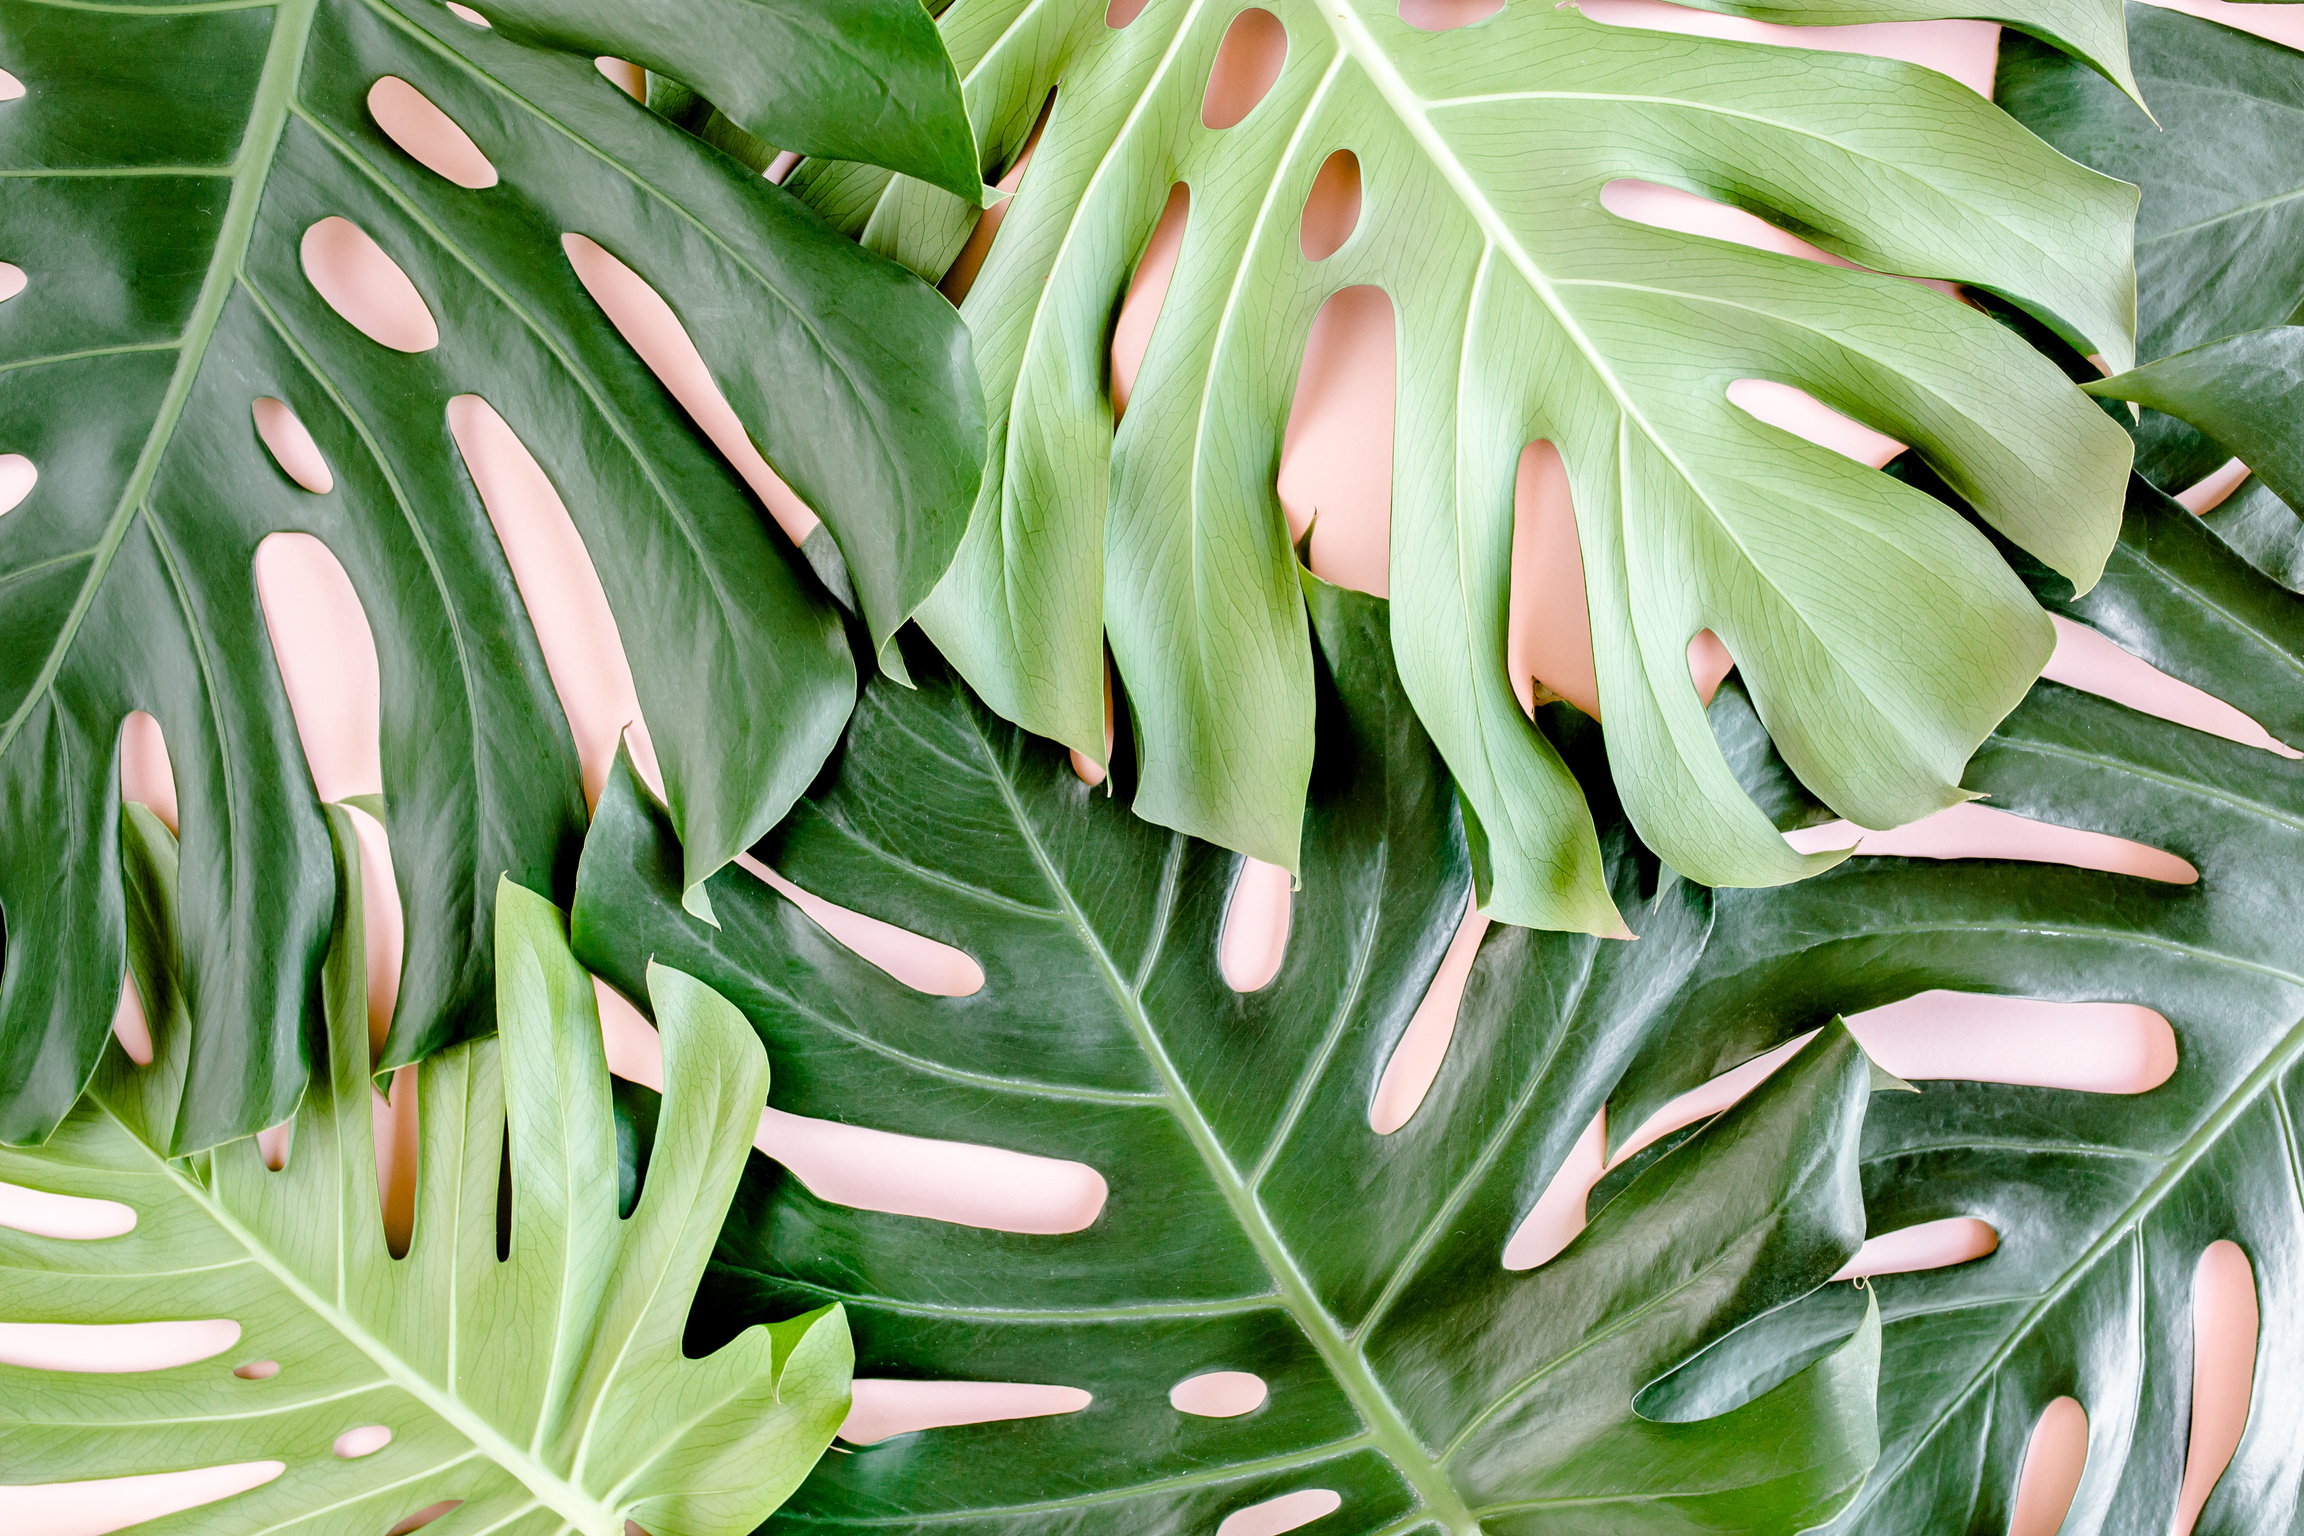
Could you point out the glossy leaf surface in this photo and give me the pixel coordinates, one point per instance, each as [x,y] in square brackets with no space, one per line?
[1882,639]
[2242,391]
[169,172]
[2102,1203]
[545,1392]
[2220,166]
[1254,1222]
[863,80]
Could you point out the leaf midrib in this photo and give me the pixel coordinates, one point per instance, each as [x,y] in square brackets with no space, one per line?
[1388,1429]
[549,1489]
[267,118]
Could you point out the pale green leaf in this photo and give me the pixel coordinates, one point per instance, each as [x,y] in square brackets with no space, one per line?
[547,1391]
[1880,635]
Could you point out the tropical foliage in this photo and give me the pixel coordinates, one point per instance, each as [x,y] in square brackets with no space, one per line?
[1254,1221]
[522,1361]
[168,211]
[1879,635]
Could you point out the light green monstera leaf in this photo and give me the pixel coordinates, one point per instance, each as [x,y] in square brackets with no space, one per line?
[533,1375]
[1880,635]
[175,180]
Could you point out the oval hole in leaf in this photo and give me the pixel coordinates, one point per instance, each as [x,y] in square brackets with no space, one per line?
[290,443]
[17,477]
[1803,415]
[1284,1513]
[115,1503]
[1147,293]
[961,275]
[1977,1037]
[1925,1245]
[560,588]
[1974,831]
[366,1440]
[964,1183]
[1336,452]
[465,13]
[1446,15]
[2225,1322]
[2093,663]
[12,280]
[882,1408]
[257,1370]
[429,1512]
[1119,13]
[1248,61]
[1219,1394]
[1416,1060]
[275,1142]
[366,287]
[649,326]
[10,86]
[1257,915]
[1331,208]
[919,962]
[326,654]
[2054,1457]
[70,1218]
[427,135]
[114,1348]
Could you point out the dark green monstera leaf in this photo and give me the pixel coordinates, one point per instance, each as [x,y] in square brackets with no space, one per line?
[2242,391]
[2220,230]
[1098,941]
[169,172]
[1255,1222]
[2103,1204]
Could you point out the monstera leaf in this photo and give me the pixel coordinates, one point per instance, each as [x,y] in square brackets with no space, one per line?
[1254,1220]
[2220,230]
[1097,940]
[1880,637]
[175,177]
[2241,391]
[534,1376]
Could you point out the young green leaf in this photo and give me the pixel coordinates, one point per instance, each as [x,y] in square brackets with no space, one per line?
[178,178]
[1255,1222]
[1881,637]
[546,1391]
